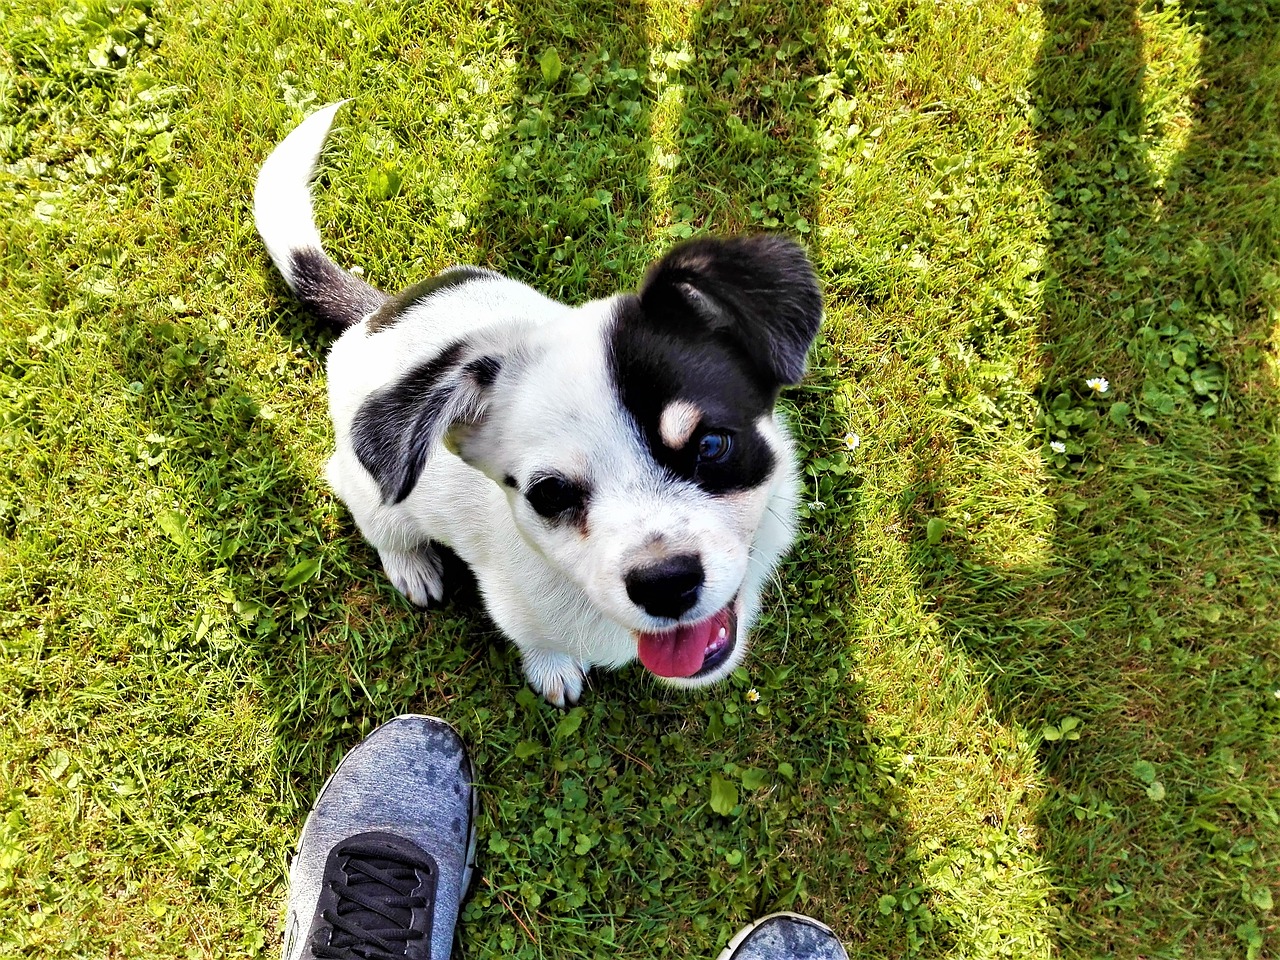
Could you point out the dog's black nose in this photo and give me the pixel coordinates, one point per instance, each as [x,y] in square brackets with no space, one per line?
[667,588]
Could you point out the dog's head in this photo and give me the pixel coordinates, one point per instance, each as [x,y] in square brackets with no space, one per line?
[635,438]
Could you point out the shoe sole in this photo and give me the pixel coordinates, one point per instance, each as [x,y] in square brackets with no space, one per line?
[469,877]
[728,952]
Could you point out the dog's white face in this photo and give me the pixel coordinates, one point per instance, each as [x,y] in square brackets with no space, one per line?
[656,533]
[638,452]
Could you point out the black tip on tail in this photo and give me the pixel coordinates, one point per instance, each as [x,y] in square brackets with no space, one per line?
[334,295]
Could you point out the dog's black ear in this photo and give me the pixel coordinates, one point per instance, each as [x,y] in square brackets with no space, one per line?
[759,291]
[397,427]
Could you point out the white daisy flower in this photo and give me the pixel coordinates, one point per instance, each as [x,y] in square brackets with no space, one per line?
[852,442]
[753,695]
[1098,385]
[1057,446]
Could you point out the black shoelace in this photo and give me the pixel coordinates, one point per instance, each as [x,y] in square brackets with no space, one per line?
[372,918]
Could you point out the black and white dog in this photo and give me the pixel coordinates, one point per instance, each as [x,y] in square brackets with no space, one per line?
[614,474]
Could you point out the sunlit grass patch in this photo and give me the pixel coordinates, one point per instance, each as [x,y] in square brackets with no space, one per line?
[1016,691]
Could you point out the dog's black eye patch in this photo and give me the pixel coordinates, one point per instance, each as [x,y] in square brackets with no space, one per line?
[718,328]
[553,497]
[654,372]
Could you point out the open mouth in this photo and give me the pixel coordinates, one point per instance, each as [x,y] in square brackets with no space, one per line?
[691,649]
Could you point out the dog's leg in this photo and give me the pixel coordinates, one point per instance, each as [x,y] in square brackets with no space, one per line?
[417,573]
[554,674]
[408,556]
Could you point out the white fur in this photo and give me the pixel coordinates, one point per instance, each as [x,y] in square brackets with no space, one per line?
[282,199]
[557,593]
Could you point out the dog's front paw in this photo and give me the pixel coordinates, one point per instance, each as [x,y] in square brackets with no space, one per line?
[555,675]
[417,573]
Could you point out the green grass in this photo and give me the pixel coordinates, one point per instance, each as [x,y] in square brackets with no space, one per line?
[1014,699]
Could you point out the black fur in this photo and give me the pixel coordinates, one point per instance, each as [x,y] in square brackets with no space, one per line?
[485,370]
[668,588]
[461,590]
[759,293]
[394,308]
[395,429]
[557,499]
[334,295]
[726,349]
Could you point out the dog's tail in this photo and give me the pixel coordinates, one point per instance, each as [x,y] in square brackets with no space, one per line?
[284,217]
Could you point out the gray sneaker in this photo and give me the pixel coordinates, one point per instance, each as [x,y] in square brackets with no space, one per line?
[388,851]
[784,936]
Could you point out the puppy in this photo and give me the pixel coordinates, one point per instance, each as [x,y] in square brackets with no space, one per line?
[614,474]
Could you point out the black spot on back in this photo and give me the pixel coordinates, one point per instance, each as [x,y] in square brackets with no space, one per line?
[395,307]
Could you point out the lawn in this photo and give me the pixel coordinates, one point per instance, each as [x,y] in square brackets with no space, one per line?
[1017,692]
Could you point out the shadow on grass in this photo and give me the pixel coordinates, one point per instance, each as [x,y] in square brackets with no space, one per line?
[302,588]
[1152,622]
[597,827]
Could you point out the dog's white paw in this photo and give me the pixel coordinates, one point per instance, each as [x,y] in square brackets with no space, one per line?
[555,675]
[417,573]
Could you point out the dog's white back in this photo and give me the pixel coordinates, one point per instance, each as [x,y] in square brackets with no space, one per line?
[614,474]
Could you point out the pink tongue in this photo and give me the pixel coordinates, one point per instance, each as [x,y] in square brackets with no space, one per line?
[679,653]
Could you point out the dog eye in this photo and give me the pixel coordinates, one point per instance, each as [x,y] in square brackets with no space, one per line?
[552,496]
[714,447]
